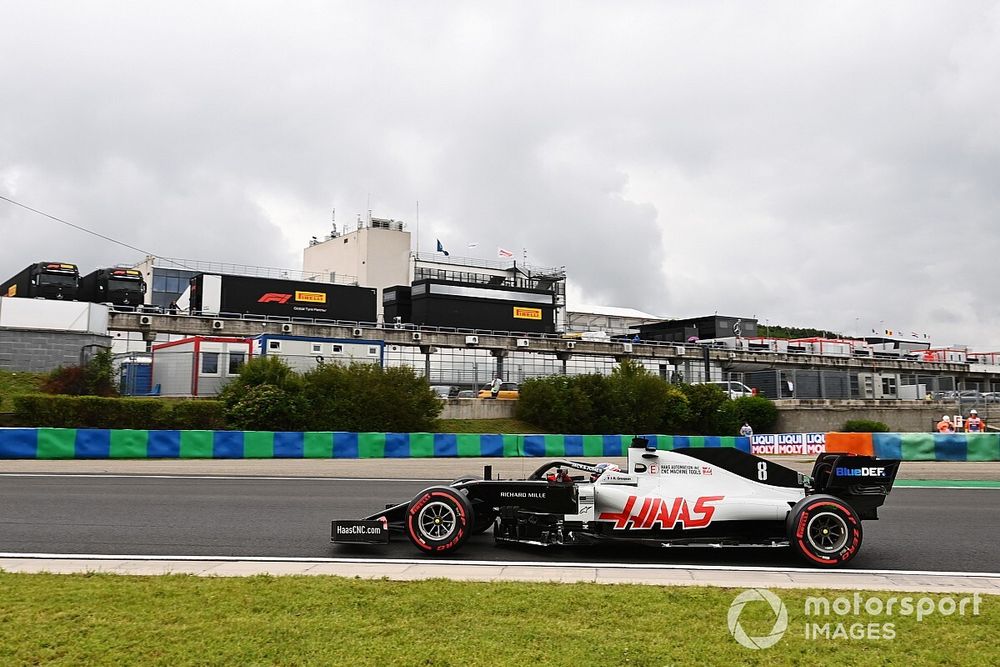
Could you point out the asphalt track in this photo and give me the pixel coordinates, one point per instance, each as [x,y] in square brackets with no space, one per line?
[948,530]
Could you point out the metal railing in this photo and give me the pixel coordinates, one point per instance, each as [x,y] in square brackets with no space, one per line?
[202,266]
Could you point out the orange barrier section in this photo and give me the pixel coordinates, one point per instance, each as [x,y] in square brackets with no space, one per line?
[850,443]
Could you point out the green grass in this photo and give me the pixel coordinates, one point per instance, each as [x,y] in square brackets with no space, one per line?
[485,426]
[179,620]
[20,382]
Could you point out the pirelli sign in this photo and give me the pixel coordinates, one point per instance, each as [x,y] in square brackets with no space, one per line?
[527,313]
[310,297]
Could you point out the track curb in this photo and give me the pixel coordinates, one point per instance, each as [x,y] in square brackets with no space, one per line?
[987,583]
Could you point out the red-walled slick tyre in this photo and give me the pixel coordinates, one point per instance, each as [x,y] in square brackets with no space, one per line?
[824,531]
[439,519]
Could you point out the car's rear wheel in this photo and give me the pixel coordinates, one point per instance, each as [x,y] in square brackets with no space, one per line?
[824,530]
[439,519]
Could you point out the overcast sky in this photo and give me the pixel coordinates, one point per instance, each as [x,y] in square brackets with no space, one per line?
[827,164]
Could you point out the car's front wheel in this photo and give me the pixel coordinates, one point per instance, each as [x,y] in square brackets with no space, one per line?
[439,519]
[485,517]
[824,530]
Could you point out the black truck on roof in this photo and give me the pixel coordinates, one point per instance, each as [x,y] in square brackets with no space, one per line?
[44,280]
[121,287]
[227,294]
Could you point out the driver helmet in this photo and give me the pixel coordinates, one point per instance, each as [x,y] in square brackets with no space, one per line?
[946,418]
[603,468]
[973,412]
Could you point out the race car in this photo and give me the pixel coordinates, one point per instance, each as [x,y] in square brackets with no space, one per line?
[684,497]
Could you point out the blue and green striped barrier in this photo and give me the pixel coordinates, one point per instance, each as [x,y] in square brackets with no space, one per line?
[937,446]
[60,443]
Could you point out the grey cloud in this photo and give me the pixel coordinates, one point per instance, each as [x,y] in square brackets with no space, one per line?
[831,166]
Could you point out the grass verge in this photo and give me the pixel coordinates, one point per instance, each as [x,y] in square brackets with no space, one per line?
[485,426]
[17,382]
[171,620]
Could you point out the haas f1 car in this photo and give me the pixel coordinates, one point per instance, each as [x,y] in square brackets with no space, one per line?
[686,497]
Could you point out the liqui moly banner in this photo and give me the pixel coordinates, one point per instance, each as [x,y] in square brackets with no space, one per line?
[803,444]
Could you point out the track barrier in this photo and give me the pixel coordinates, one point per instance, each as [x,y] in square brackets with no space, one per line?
[59,443]
[67,443]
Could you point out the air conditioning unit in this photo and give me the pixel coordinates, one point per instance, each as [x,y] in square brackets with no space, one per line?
[145,320]
[217,325]
[523,342]
[679,350]
[570,344]
[417,336]
[286,328]
[731,355]
[356,332]
[472,340]
[626,347]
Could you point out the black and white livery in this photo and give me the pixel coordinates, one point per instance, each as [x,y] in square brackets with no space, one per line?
[684,497]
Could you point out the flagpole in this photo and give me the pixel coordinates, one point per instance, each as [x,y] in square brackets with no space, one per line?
[417,231]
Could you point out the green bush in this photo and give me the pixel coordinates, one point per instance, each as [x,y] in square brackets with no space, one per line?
[561,403]
[706,415]
[360,397]
[43,410]
[88,411]
[864,426]
[630,400]
[266,407]
[640,402]
[368,397]
[266,396]
[759,412]
[200,414]
[262,370]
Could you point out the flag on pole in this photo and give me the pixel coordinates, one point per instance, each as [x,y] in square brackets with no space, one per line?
[504,254]
[441,248]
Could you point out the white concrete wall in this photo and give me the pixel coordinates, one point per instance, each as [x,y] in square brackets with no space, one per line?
[378,257]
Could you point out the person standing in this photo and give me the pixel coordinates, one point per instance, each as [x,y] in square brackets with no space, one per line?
[495,387]
[945,425]
[973,424]
[746,430]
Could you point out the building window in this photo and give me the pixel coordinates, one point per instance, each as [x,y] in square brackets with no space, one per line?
[888,386]
[209,363]
[373,350]
[338,349]
[317,348]
[274,345]
[236,361]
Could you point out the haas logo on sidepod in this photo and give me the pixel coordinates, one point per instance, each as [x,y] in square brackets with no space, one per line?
[664,513]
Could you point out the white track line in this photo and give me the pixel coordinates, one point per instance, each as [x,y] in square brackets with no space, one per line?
[491,563]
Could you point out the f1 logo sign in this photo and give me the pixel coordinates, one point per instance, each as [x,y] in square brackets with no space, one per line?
[274,297]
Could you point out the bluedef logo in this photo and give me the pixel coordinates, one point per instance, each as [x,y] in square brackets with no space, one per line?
[860,472]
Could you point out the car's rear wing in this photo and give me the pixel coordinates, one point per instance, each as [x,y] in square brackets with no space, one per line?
[862,481]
